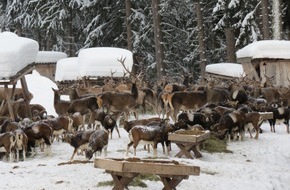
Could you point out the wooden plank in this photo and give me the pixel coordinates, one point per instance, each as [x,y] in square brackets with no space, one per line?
[110,164]
[266,115]
[26,96]
[12,80]
[152,167]
[9,101]
[187,137]
[155,168]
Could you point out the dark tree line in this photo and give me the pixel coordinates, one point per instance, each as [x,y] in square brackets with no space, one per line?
[169,36]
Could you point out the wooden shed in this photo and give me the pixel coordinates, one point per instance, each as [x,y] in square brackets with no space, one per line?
[45,63]
[267,61]
[224,71]
[93,66]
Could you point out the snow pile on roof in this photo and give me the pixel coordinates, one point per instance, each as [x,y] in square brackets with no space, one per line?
[16,53]
[94,62]
[275,49]
[103,61]
[226,69]
[67,69]
[49,56]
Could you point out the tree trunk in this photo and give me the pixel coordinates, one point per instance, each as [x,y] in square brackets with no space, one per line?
[201,38]
[70,37]
[265,19]
[230,43]
[158,39]
[277,20]
[128,25]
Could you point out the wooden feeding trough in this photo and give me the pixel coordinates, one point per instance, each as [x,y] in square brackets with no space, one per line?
[123,171]
[188,141]
[267,60]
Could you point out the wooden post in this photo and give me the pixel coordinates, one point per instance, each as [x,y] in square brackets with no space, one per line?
[26,97]
[9,101]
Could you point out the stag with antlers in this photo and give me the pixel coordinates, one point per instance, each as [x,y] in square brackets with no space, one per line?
[120,102]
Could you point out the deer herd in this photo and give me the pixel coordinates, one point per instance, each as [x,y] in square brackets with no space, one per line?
[227,108]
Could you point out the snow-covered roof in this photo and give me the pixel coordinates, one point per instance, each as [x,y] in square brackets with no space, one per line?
[94,62]
[49,56]
[67,69]
[101,61]
[15,53]
[226,69]
[275,49]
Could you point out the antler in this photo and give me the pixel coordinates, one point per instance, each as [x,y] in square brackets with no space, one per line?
[134,77]
[122,61]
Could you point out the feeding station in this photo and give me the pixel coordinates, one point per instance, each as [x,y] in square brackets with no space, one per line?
[267,60]
[92,66]
[123,171]
[45,63]
[224,71]
[188,141]
[17,57]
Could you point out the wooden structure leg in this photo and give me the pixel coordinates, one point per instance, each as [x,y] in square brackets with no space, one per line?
[10,95]
[9,101]
[122,180]
[26,98]
[186,148]
[170,182]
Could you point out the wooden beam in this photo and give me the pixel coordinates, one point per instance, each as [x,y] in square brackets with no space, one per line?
[13,80]
[9,102]
[26,95]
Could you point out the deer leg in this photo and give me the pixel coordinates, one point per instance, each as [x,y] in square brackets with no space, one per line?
[154,149]
[168,146]
[257,132]
[128,146]
[84,119]
[117,131]
[24,153]
[48,148]
[75,151]
[17,154]
[135,146]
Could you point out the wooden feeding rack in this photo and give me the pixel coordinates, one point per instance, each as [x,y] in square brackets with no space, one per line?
[123,171]
[187,141]
[9,94]
[266,115]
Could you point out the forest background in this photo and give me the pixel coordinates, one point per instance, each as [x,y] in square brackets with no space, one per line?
[168,37]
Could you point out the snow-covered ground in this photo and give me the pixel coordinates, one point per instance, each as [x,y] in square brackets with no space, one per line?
[262,164]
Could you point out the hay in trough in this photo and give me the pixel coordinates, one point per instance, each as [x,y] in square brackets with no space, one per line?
[213,144]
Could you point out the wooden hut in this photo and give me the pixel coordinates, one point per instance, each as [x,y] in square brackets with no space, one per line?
[92,66]
[45,63]
[267,61]
[224,71]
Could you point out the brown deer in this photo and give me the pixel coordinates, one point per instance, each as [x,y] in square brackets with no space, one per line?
[119,103]
[60,106]
[193,100]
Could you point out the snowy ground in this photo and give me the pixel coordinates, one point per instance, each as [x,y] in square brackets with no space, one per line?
[254,164]
[261,164]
